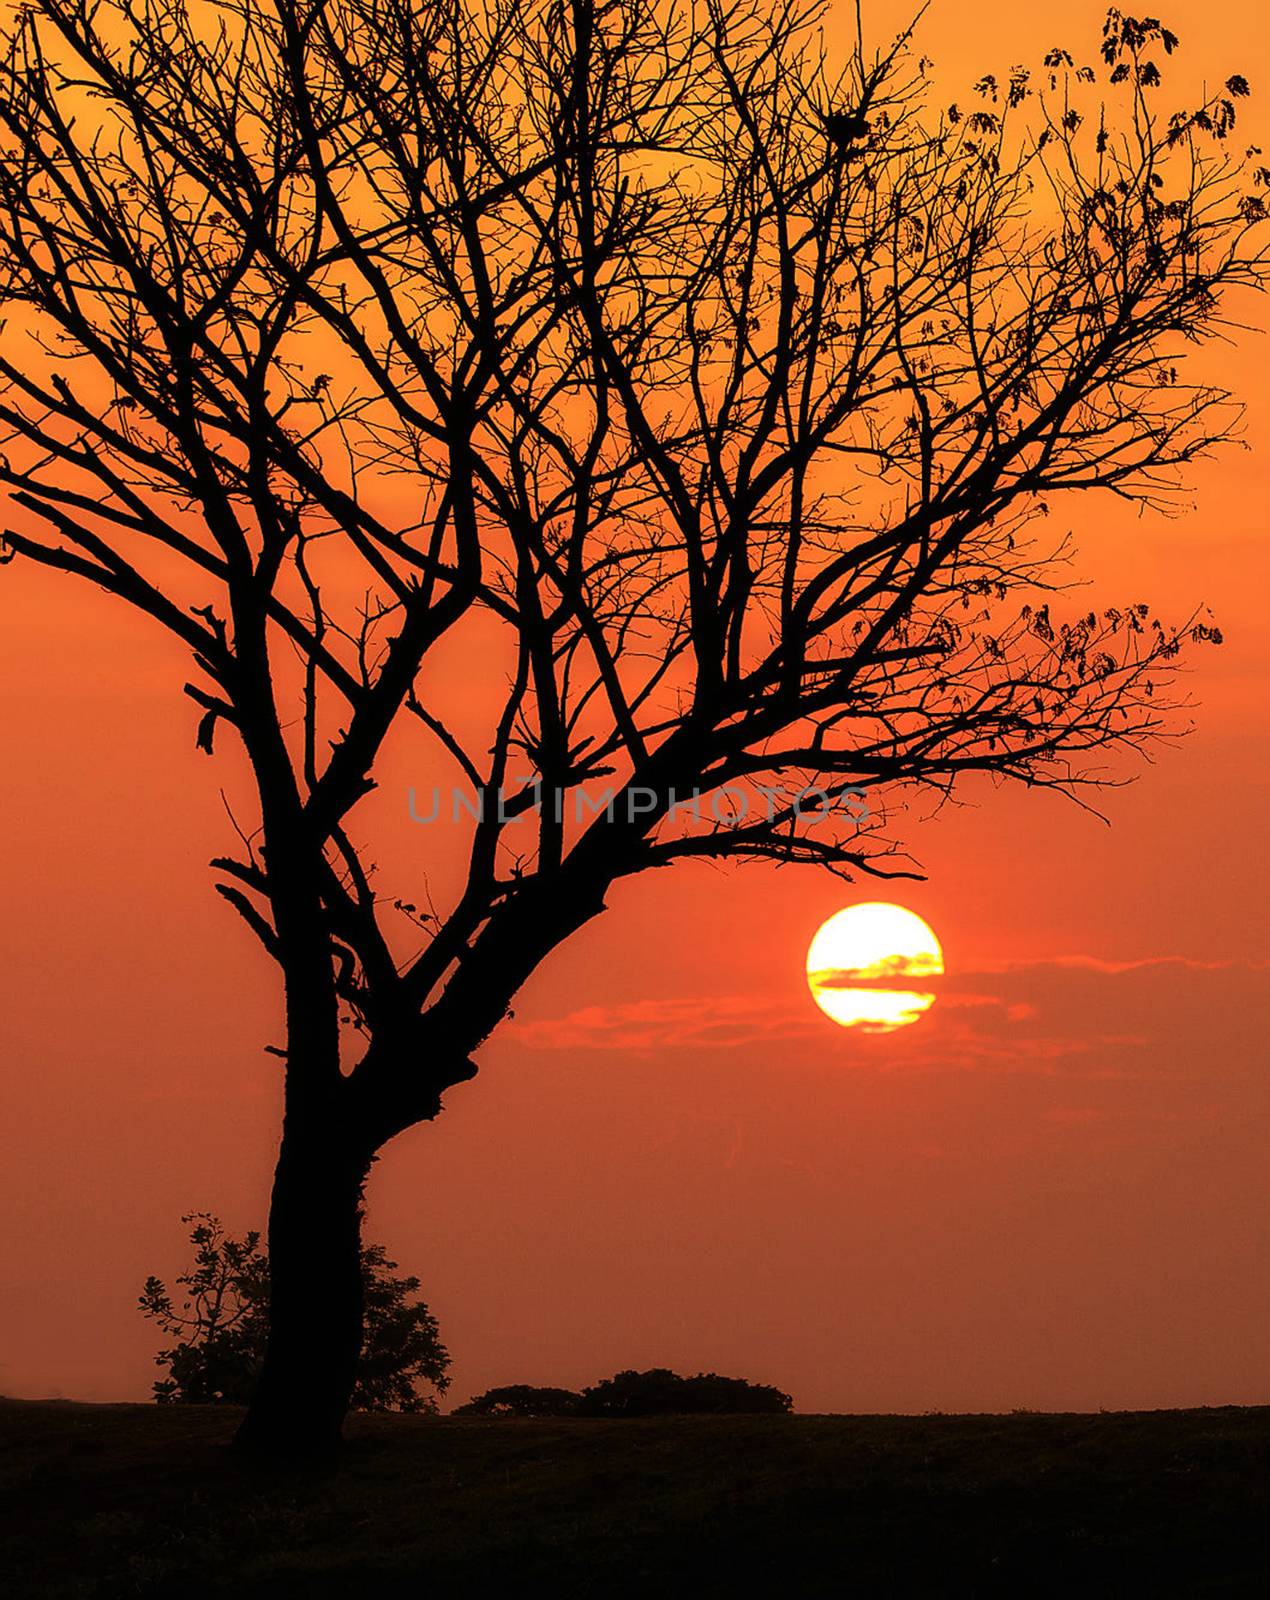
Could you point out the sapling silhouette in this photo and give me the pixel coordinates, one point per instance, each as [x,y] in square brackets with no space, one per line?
[220,1321]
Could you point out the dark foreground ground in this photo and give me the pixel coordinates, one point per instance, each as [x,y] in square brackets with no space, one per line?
[123,1501]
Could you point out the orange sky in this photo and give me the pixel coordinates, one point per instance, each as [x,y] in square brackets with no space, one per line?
[1053,1192]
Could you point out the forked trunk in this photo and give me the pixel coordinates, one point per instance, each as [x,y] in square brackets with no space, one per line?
[316,1298]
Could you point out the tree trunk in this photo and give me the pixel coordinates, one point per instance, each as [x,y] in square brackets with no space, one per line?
[316,1297]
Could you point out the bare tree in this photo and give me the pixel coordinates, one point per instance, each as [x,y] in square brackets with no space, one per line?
[708,385]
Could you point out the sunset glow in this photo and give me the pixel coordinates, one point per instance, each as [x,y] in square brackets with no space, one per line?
[1048,1194]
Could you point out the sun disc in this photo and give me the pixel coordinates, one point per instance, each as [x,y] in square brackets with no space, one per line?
[862,964]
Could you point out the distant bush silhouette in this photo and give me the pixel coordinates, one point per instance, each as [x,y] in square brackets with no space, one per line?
[660,1392]
[655,1393]
[522,1400]
[222,1327]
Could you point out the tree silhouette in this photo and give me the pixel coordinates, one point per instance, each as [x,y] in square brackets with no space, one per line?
[581,391]
[221,1327]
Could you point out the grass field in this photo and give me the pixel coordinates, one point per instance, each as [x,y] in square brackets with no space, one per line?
[124,1501]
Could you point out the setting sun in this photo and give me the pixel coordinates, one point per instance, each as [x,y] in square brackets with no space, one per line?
[857,958]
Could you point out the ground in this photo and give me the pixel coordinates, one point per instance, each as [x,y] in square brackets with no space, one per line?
[144,1501]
